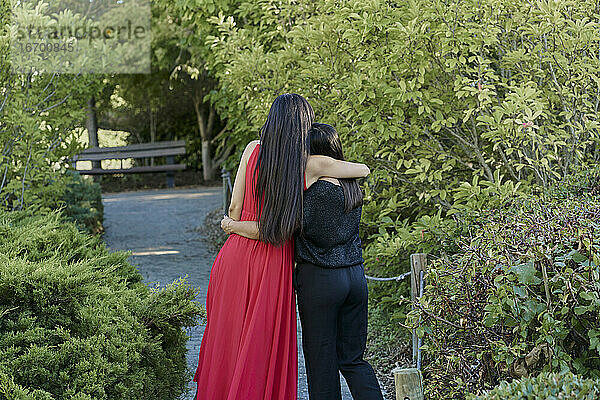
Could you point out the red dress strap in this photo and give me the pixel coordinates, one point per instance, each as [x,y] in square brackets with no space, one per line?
[304,180]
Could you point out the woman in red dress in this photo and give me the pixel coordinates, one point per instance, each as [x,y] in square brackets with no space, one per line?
[248,350]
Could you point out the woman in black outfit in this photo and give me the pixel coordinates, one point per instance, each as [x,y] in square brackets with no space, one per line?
[330,282]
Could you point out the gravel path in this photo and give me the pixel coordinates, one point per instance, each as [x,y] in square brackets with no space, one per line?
[159,226]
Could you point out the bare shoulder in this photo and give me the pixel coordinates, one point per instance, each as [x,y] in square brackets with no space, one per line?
[314,165]
[311,166]
[250,146]
[249,149]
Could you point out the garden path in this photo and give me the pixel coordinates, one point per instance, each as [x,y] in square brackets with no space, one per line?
[160,228]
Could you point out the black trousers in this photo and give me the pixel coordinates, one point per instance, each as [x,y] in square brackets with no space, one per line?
[332,303]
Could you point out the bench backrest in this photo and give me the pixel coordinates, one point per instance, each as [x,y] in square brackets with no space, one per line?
[138,150]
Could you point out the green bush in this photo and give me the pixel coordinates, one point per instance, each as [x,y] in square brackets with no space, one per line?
[39,126]
[521,296]
[439,98]
[564,385]
[83,203]
[77,322]
[453,105]
[583,183]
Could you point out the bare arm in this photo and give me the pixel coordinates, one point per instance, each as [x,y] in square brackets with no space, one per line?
[248,229]
[239,185]
[318,166]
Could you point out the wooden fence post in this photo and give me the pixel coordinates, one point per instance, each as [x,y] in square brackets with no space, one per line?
[418,263]
[409,384]
[409,381]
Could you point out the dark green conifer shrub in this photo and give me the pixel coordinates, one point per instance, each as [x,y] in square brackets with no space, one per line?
[76,322]
[83,203]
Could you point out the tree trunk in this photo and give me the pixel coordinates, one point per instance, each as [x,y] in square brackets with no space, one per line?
[205,127]
[207,168]
[92,122]
[92,128]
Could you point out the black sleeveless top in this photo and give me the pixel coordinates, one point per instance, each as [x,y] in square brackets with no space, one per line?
[329,236]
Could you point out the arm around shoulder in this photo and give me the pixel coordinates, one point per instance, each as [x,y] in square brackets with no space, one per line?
[318,166]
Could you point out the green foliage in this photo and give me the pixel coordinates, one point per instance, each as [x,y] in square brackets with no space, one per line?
[522,295]
[78,323]
[583,183]
[179,55]
[453,106]
[83,203]
[388,345]
[39,115]
[545,386]
[389,249]
[429,93]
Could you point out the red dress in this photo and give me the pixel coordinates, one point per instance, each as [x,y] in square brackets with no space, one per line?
[248,350]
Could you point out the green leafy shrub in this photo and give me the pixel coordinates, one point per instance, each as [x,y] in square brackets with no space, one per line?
[388,251]
[564,385]
[452,105]
[77,322]
[521,296]
[40,120]
[583,183]
[83,203]
[430,94]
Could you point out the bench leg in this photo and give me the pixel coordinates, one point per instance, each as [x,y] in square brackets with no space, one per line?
[170,176]
[170,180]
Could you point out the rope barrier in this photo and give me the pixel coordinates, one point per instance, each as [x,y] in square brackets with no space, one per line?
[394,278]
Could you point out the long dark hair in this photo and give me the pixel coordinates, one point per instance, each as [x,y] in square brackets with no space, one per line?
[325,141]
[280,168]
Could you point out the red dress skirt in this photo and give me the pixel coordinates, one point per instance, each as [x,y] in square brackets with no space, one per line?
[248,350]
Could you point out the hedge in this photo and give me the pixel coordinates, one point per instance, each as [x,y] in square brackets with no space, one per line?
[83,203]
[563,385]
[77,322]
[520,296]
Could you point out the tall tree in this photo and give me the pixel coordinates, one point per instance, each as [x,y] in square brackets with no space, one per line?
[186,26]
[163,104]
[41,115]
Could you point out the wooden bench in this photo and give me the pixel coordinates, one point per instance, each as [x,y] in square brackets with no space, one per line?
[168,149]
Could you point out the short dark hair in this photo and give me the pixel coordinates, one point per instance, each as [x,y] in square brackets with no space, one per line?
[325,141]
